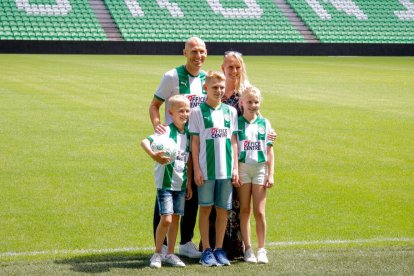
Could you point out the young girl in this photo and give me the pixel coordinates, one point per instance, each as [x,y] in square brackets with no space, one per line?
[255,171]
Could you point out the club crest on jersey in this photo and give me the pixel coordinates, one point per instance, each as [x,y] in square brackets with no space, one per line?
[261,130]
[196,100]
[219,132]
[227,117]
[250,145]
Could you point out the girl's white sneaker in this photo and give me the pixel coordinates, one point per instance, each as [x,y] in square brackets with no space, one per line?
[249,256]
[262,256]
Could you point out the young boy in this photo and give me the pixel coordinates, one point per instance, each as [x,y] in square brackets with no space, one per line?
[171,180]
[213,127]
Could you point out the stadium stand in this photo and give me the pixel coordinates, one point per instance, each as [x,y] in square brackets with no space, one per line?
[49,20]
[249,21]
[245,21]
[358,21]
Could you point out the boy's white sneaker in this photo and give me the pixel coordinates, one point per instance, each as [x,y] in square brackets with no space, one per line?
[174,260]
[262,256]
[249,256]
[189,250]
[155,261]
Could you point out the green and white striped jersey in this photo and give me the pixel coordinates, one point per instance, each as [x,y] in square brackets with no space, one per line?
[173,176]
[180,81]
[215,128]
[253,140]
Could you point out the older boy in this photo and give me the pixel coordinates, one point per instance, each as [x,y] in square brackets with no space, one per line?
[171,180]
[213,127]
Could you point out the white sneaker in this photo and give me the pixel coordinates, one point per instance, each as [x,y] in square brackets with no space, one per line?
[262,256]
[155,261]
[249,256]
[189,250]
[174,260]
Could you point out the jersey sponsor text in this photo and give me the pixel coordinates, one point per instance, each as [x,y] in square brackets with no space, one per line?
[218,132]
[251,145]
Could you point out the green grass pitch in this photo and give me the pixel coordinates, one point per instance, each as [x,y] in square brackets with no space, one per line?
[77,191]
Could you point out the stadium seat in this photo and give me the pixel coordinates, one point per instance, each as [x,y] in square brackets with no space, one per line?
[199,19]
[381,25]
[42,22]
[356,21]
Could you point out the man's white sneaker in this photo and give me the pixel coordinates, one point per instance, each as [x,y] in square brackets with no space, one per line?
[155,261]
[262,256]
[189,250]
[249,256]
[174,260]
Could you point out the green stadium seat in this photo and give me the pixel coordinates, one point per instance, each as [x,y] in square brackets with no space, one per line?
[37,27]
[381,26]
[179,28]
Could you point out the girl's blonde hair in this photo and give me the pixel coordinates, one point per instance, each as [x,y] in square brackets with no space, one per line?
[244,81]
[250,91]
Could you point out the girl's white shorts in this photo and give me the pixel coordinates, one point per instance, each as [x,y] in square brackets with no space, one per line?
[252,173]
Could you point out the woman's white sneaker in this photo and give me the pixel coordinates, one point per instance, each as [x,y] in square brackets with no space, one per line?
[262,256]
[249,256]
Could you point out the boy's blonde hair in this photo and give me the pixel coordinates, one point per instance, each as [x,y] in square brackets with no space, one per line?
[176,99]
[214,75]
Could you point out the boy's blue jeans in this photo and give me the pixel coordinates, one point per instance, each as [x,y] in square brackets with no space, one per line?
[216,192]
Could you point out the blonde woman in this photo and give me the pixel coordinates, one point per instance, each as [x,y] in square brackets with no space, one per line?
[235,71]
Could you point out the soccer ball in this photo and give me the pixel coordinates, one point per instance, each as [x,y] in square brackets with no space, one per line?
[164,143]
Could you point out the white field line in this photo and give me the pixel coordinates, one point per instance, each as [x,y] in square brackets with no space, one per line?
[326,242]
[132,249]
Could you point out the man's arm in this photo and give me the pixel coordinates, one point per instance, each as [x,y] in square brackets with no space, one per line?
[154,112]
[189,194]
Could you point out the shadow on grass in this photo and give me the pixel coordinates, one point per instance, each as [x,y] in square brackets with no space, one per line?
[100,263]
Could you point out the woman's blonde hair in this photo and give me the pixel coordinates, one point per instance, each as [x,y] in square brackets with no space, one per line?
[243,81]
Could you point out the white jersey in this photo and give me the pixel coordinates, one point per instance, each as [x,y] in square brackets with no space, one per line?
[180,81]
[174,176]
[252,140]
[215,128]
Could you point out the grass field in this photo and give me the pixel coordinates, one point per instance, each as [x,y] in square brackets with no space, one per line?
[77,191]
